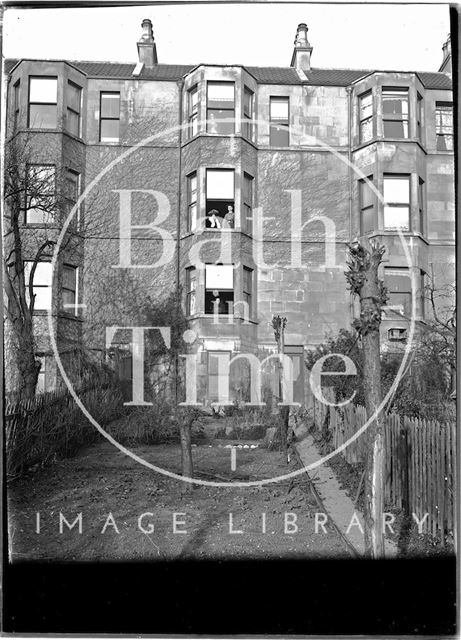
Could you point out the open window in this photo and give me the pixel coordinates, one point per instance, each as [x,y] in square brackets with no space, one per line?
[43,103]
[395,112]
[279,121]
[191,291]
[219,289]
[396,202]
[444,125]
[220,199]
[221,108]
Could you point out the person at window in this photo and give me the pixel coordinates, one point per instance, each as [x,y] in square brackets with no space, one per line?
[229,217]
[212,221]
[213,127]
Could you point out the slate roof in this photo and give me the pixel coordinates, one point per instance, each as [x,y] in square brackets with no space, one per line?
[263,75]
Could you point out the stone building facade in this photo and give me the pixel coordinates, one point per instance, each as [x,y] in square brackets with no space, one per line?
[303,161]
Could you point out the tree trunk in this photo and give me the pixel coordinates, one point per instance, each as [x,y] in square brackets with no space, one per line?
[28,366]
[374,480]
[185,425]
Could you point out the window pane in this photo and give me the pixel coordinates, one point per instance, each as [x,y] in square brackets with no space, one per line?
[366,106]
[68,300]
[368,220]
[217,121]
[110,105]
[247,279]
[110,130]
[41,178]
[69,277]
[38,216]
[73,96]
[193,217]
[220,184]
[43,90]
[221,95]
[73,122]
[219,276]
[42,298]
[248,102]
[42,116]
[279,136]
[72,186]
[193,100]
[367,196]
[397,190]
[192,188]
[395,129]
[397,218]
[42,275]
[191,303]
[366,130]
[395,103]
[279,109]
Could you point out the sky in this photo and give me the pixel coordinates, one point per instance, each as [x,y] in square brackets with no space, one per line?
[387,37]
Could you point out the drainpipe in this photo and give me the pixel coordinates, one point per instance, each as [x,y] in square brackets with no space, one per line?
[178,222]
[350,175]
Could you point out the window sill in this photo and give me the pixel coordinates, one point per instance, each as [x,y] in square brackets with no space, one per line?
[199,232]
[206,134]
[224,316]
[362,145]
[388,232]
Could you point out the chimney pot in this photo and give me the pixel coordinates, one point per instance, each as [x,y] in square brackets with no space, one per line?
[147,50]
[301,59]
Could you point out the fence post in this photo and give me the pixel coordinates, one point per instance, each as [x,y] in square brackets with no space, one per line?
[403,463]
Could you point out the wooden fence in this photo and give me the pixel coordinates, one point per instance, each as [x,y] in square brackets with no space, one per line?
[53,425]
[419,462]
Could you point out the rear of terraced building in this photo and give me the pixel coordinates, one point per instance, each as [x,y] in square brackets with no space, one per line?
[291,160]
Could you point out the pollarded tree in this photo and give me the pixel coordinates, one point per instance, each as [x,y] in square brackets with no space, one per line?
[362,277]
